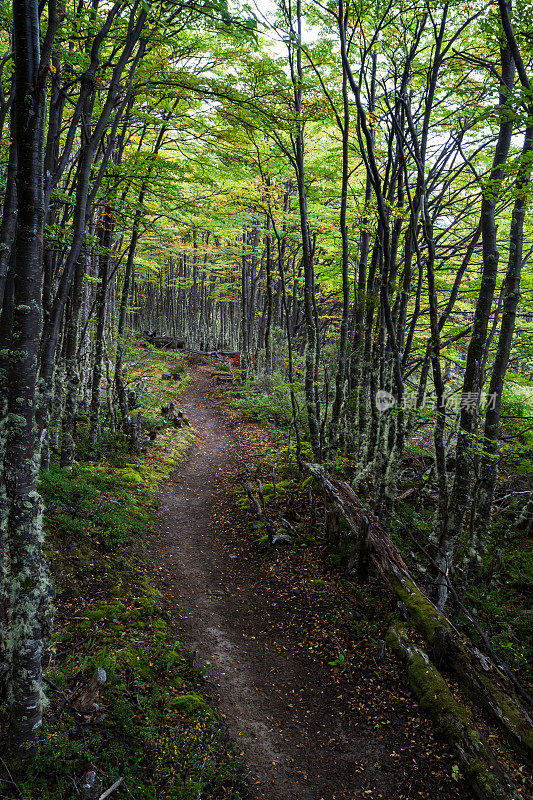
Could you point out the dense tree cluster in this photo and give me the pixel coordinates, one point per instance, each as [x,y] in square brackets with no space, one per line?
[338,191]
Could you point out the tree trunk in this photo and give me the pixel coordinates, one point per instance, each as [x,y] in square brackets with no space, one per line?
[307,251]
[106,241]
[28,578]
[72,368]
[343,342]
[471,384]
[488,472]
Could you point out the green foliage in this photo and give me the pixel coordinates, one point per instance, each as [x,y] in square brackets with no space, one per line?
[97,504]
[153,727]
[503,606]
[262,406]
[517,411]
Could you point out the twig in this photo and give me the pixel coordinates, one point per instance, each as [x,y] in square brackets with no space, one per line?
[10,776]
[54,686]
[275,471]
[111,789]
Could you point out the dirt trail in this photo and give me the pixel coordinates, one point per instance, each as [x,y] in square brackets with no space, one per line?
[280,704]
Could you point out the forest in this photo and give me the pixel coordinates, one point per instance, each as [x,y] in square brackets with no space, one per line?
[266,301]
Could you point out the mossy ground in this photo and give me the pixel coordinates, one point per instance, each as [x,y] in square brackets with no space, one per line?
[153,727]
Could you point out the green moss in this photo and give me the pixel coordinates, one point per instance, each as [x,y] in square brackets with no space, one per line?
[150,605]
[243,503]
[423,614]
[452,721]
[132,476]
[191,704]
[281,487]
[426,681]
[511,713]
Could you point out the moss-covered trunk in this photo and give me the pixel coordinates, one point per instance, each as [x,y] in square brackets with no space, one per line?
[452,720]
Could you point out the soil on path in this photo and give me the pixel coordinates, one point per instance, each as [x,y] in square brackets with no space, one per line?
[300,739]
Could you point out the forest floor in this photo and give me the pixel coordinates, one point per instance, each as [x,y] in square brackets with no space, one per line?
[260,626]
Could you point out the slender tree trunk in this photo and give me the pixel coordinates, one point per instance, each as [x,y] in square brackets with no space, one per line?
[106,241]
[307,250]
[471,383]
[488,471]
[28,577]
[127,424]
[245,309]
[343,343]
[72,368]
[269,298]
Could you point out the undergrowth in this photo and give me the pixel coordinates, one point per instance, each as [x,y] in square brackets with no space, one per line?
[260,405]
[152,726]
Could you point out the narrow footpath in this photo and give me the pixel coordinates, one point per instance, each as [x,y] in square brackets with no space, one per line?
[300,739]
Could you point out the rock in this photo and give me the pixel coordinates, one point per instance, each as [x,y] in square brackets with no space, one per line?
[280,537]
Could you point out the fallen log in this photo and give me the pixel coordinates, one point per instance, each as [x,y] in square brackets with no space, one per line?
[452,720]
[485,683]
[164,342]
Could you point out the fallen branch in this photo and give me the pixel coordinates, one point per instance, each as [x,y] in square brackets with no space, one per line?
[485,682]
[259,509]
[111,789]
